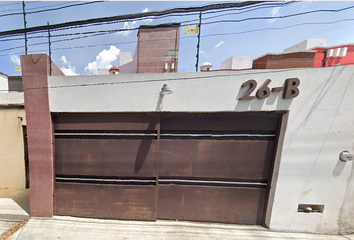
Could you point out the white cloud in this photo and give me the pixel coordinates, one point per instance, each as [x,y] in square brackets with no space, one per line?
[66,67]
[134,24]
[103,60]
[69,71]
[15,59]
[219,44]
[273,13]
[128,25]
[63,59]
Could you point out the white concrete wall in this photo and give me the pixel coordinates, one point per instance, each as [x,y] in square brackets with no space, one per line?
[318,126]
[7,98]
[237,62]
[307,44]
[3,83]
[126,66]
[124,58]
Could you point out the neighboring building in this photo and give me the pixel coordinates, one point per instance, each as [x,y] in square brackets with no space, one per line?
[259,148]
[334,55]
[15,83]
[206,67]
[156,51]
[3,82]
[308,55]
[304,59]
[113,70]
[13,147]
[306,45]
[103,71]
[127,64]
[237,63]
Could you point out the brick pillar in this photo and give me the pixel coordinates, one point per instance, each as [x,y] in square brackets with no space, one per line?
[40,134]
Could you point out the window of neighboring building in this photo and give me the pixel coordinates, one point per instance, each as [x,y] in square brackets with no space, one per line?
[344,52]
[337,52]
[330,54]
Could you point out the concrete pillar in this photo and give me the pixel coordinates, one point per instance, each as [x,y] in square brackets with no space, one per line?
[40,134]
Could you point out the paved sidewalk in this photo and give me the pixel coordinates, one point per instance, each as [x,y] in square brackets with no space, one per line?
[14,207]
[84,228]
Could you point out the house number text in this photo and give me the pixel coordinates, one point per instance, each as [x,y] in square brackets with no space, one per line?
[290,89]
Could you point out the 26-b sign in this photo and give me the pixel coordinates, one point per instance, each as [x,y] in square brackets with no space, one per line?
[290,89]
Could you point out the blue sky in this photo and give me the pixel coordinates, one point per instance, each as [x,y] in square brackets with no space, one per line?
[215,49]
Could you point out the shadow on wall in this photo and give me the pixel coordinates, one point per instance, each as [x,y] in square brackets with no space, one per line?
[159,103]
[257,104]
[143,151]
[338,169]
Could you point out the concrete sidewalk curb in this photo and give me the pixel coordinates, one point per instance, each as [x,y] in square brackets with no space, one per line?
[84,228]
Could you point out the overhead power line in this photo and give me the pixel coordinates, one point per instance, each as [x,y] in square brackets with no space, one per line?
[59,8]
[51,9]
[130,16]
[199,77]
[9,4]
[202,36]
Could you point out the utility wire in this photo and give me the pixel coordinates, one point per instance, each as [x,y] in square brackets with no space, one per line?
[59,8]
[280,17]
[251,8]
[9,4]
[102,32]
[51,9]
[203,36]
[130,16]
[48,6]
[239,73]
[177,15]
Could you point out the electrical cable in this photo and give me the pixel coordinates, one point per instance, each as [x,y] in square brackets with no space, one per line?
[9,4]
[267,5]
[52,9]
[203,36]
[172,15]
[130,16]
[239,73]
[59,8]
[279,17]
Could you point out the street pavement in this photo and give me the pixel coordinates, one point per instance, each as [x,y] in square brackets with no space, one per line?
[60,227]
[14,207]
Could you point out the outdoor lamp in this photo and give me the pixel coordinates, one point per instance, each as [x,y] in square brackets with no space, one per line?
[165,90]
[345,156]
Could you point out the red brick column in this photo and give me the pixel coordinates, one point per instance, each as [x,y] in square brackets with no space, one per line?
[40,134]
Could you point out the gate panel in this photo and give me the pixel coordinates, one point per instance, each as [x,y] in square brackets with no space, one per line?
[212,204]
[105,121]
[105,201]
[106,157]
[105,165]
[220,121]
[235,159]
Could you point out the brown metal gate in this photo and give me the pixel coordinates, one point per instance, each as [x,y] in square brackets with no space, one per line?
[206,166]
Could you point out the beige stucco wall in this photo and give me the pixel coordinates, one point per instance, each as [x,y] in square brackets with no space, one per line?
[12,160]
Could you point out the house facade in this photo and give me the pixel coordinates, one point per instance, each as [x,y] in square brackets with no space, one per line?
[257,147]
